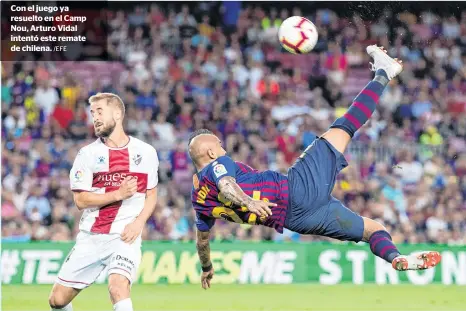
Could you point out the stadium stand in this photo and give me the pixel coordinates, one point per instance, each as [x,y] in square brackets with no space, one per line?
[184,69]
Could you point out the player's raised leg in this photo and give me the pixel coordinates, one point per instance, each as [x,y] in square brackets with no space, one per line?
[61,296]
[363,106]
[340,134]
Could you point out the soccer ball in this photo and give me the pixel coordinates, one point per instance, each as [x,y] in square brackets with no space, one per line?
[298,35]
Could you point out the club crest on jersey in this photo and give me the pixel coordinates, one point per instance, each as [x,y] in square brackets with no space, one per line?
[219,170]
[101,160]
[137,159]
[195,182]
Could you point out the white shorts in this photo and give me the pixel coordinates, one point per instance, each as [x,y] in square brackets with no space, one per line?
[93,253]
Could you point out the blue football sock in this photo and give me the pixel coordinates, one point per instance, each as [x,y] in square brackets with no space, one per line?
[363,105]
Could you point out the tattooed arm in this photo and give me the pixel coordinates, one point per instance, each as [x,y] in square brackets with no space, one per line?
[233,193]
[203,250]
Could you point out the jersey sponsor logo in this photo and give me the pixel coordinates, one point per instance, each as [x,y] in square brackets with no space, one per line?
[237,214]
[219,170]
[228,214]
[101,160]
[78,175]
[112,179]
[137,159]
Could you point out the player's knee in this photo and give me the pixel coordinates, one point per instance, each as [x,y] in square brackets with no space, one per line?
[57,301]
[338,138]
[118,287]
[371,226]
[61,296]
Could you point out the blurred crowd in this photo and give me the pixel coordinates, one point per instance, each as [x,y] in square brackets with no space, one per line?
[221,68]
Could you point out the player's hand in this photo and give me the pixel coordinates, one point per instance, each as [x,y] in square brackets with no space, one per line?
[128,188]
[131,232]
[261,208]
[206,277]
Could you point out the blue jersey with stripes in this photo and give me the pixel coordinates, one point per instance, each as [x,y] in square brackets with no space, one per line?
[210,204]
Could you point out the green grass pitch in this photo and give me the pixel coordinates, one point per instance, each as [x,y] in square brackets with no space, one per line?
[252,298]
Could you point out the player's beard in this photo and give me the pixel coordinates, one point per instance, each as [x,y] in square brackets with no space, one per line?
[105,131]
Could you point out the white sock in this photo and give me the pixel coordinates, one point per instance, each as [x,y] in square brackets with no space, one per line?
[68,307]
[123,305]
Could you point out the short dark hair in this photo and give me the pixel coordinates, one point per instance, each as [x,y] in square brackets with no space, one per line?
[197,133]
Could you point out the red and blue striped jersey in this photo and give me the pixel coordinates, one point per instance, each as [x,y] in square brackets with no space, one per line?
[211,205]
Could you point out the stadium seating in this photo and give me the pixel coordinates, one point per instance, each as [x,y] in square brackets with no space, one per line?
[407,166]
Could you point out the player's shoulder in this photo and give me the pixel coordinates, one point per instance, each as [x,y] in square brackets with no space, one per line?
[221,163]
[143,146]
[91,148]
[223,160]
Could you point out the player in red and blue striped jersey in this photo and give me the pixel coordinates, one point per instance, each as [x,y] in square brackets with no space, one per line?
[261,187]
[301,201]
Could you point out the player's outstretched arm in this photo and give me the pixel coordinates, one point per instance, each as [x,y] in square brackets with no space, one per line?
[233,192]
[85,199]
[203,250]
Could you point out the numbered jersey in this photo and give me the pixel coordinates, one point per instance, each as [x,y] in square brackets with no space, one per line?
[210,204]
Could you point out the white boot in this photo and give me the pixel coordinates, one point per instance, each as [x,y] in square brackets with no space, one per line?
[392,67]
[417,261]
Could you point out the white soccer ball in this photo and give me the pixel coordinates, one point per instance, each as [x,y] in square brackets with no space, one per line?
[298,35]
